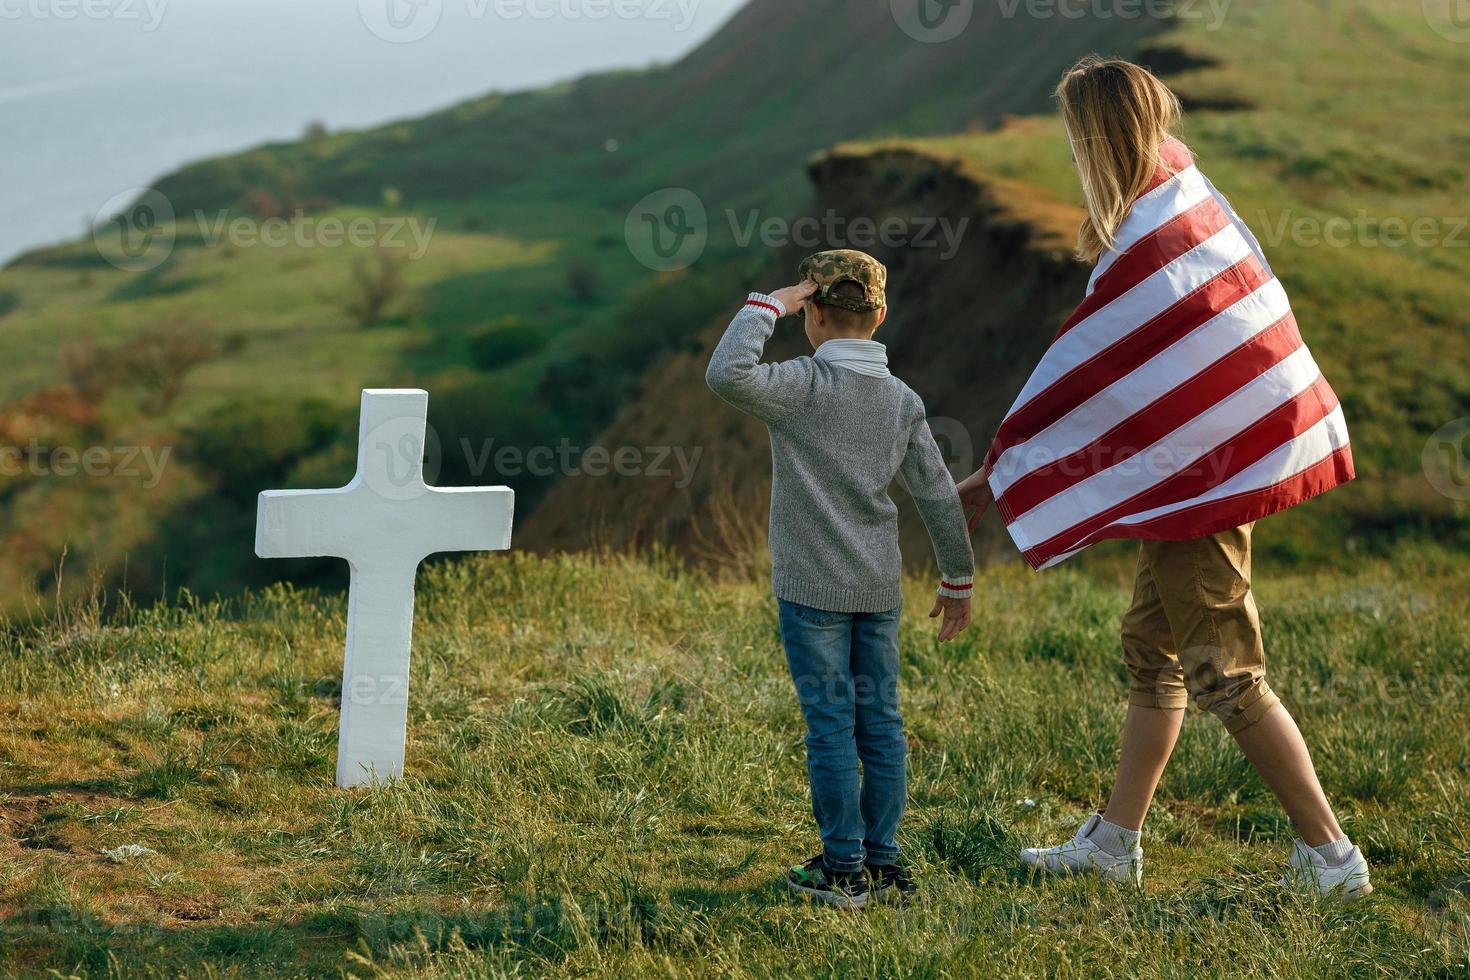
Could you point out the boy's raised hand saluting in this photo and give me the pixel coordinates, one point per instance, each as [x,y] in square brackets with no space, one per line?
[795,297]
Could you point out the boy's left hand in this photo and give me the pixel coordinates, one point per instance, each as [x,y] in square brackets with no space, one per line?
[956,616]
[795,297]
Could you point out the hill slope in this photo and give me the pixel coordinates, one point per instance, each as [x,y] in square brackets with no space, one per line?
[530,314]
[1363,221]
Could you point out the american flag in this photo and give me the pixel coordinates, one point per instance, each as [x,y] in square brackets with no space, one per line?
[1178,400]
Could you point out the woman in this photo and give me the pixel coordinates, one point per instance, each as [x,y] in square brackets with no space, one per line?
[1177,406]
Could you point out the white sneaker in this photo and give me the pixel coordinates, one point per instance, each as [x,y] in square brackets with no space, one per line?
[1082,855]
[1310,872]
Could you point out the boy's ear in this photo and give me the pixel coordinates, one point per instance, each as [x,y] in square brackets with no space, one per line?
[882,317]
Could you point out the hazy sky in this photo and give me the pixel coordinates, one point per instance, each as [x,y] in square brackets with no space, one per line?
[101,96]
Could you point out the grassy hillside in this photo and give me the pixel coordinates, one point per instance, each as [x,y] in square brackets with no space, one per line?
[606,778]
[529,314]
[1297,111]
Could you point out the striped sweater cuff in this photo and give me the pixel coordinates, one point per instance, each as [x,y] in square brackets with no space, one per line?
[767,303]
[957,588]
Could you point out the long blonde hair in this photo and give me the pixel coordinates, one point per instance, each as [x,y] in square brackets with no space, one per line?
[1117,115]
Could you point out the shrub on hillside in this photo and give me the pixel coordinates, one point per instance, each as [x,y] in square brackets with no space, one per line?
[666,313]
[582,389]
[504,342]
[46,418]
[88,370]
[155,363]
[476,421]
[8,303]
[263,205]
[586,387]
[583,282]
[377,284]
[245,445]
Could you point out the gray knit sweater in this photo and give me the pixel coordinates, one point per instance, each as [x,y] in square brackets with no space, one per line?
[839,438]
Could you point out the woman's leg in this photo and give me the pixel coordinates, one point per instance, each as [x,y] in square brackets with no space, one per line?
[1149,735]
[1275,746]
[1213,615]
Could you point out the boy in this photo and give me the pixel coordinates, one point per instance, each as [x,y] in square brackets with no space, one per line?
[842,428]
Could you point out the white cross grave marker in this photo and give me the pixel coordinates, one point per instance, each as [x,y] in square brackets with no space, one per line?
[385,522]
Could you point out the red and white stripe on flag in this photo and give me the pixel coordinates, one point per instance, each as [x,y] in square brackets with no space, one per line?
[1178,400]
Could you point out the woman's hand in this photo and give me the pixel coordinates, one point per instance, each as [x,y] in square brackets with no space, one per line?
[975,497]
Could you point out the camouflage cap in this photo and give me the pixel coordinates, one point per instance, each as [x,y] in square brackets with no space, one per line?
[829,269]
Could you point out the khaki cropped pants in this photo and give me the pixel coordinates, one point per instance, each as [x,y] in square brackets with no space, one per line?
[1194,631]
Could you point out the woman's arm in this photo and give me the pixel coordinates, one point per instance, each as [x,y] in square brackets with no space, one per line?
[976,497]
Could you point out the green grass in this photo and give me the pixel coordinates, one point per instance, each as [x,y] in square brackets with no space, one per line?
[605,777]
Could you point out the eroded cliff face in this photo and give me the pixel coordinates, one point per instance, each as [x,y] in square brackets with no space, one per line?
[980,280]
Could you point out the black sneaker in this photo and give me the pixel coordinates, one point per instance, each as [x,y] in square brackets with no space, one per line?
[892,881]
[844,889]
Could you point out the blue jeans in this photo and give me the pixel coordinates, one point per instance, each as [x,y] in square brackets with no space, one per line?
[845,667]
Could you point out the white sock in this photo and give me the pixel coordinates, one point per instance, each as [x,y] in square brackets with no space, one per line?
[1336,853]
[1117,841]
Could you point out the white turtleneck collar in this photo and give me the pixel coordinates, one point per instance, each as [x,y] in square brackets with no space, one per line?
[866,357]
